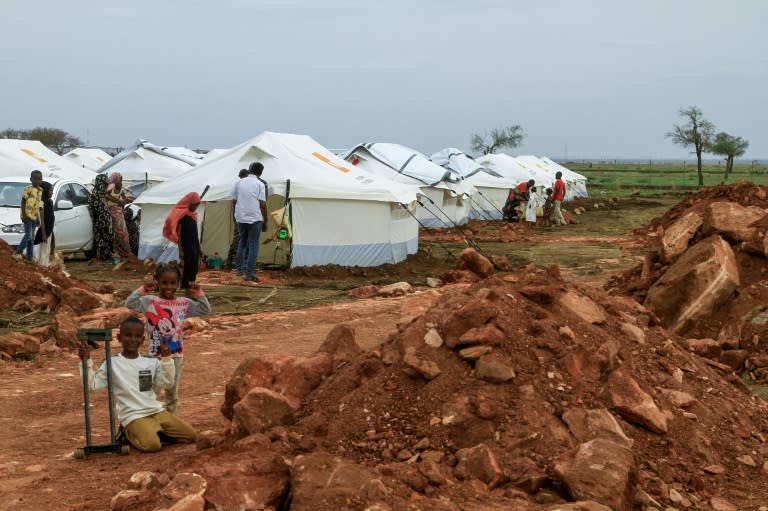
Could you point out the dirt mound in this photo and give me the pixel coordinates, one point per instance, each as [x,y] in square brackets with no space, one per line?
[744,193]
[24,283]
[707,277]
[479,230]
[520,391]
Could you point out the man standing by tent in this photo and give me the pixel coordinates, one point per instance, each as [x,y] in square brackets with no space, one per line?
[249,197]
[558,195]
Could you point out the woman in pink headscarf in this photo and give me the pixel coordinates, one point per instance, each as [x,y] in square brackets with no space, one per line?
[117,197]
[181,228]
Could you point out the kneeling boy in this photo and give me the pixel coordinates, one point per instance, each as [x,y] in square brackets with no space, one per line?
[134,379]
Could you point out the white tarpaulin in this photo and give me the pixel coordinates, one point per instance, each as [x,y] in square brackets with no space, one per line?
[20,157]
[338,214]
[492,188]
[91,158]
[445,194]
[150,163]
[514,168]
[576,184]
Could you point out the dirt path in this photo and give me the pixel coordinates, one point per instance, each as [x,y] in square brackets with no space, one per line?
[42,419]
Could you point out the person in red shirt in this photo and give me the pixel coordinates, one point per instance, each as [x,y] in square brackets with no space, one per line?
[558,195]
[522,191]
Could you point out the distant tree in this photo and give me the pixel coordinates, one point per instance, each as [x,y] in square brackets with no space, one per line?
[511,137]
[729,146]
[696,133]
[55,139]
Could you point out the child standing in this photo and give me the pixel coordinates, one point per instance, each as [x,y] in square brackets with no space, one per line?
[181,228]
[134,378]
[549,206]
[165,314]
[32,213]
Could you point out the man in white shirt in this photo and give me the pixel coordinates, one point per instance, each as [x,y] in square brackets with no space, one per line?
[249,197]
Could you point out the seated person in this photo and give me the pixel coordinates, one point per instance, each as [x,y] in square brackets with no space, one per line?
[146,424]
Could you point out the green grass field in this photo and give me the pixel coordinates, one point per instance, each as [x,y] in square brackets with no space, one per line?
[649,179]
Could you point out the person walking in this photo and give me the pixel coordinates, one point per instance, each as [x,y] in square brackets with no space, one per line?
[558,196]
[249,197]
[103,234]
[44,236]
[31,214]
[181,228]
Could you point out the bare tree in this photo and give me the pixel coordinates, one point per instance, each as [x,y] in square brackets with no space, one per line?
[729,146]
[696,133]
[55,139]
[511,137]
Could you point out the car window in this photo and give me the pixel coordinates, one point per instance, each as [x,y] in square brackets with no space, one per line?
[65,193]
[80,194]
[10,194]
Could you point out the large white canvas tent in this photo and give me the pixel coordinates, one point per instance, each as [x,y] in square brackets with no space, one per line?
[576,183]
[514,168]
[492,188]
[338,214]
[91,158]
[445,194]
[20,157]
[148,164]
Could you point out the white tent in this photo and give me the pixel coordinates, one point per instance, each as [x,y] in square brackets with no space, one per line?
[445,201]
[576,183]
[338,214]
[20,157]
[516,169]
[492,187]
[150,164]
[91,158]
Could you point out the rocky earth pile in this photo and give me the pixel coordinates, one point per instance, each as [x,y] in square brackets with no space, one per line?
[30,288]
[519,391]
[706,278]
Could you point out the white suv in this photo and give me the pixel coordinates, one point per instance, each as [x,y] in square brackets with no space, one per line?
[72,230]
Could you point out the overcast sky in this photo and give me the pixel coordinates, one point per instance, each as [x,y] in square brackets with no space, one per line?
[584,78]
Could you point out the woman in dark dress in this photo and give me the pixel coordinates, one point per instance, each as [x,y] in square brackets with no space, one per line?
[181,228]
[46,247]
[103,235]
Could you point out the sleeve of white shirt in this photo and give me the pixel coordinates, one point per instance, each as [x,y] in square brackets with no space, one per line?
[233,193]
[262,192]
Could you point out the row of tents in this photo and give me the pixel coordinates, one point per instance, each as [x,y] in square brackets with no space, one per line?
[363,207]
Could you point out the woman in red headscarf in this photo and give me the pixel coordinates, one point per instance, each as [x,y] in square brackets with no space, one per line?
[181,228]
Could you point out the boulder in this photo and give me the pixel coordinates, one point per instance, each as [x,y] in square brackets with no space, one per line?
[470,259]
[731,220]
[321,477]
[293,377]
[81,300]
[599,470]
[396,289]
[255,479]
[586,425]
[707,348]
[633,404]
[676,237]
[66,326]
[583,307]
[340,345]
[494,369]
[700,281]
[420,367]
[478,462]
[260,410]
[17,345]
[474,313]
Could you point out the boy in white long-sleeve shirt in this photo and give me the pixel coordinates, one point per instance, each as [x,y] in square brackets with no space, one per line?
[145,422]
